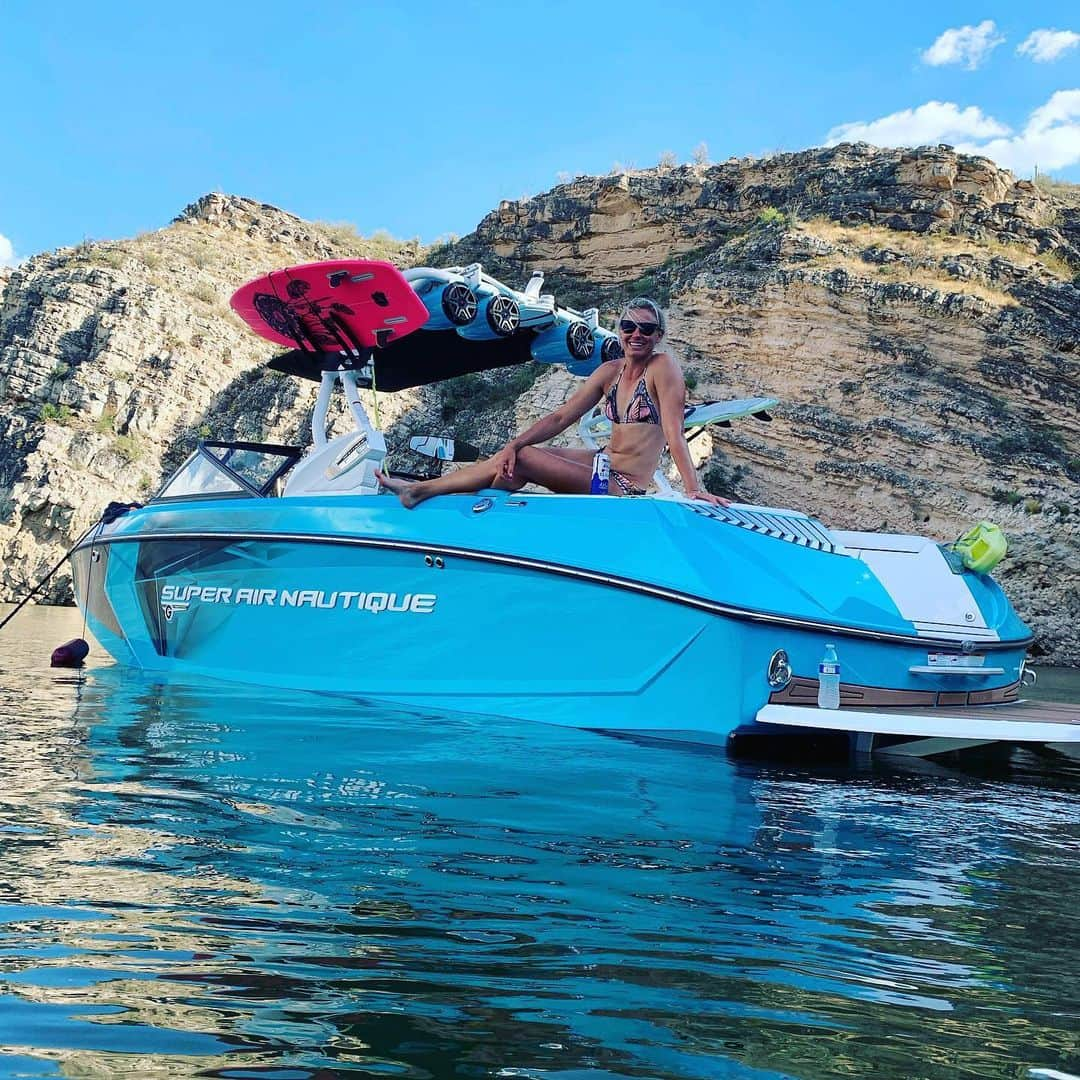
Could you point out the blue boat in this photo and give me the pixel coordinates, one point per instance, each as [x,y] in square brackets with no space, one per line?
[285,567]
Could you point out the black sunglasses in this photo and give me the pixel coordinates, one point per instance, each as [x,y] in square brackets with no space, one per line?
[628,326]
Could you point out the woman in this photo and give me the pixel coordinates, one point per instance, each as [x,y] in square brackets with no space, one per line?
[644,397]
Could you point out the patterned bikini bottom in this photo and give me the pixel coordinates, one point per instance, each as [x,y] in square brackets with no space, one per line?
[625,485]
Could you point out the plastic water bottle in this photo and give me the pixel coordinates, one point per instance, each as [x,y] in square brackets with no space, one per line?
[601,468]
[828,692]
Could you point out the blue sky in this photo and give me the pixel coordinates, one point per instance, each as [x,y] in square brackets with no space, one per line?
[419,117]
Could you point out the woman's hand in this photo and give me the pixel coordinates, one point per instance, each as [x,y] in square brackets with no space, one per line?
[705,496]
[504,462]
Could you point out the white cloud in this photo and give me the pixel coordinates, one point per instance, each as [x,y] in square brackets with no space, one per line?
[1046,45]
[934,122]
[967,45]
[1049,139]
[7,252]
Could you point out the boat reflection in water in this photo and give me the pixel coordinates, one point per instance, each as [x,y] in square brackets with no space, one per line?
[201,879]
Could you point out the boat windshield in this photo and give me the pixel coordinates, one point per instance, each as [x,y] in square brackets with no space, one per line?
[230,469]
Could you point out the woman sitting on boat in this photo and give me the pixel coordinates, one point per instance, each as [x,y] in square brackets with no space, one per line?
[644,396]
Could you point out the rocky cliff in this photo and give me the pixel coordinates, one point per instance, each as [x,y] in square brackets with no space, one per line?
[116,357]
[915,311]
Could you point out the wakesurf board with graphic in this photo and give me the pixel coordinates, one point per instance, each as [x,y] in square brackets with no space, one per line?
[343,305]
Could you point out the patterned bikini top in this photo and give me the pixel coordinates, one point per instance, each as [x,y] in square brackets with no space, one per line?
[641,409]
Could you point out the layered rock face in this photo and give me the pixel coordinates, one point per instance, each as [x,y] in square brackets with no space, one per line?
[583,227]
[915,311]
[116,357]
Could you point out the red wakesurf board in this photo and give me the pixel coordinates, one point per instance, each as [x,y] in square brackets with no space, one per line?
[334,306]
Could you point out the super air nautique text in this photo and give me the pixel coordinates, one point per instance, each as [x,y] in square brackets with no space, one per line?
[180,597]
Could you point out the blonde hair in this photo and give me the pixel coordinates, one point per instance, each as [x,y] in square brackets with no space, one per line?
[643,303]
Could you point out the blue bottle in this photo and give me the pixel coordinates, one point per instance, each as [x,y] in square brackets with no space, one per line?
[601,468]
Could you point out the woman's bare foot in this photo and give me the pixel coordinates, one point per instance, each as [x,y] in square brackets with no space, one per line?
[403,489]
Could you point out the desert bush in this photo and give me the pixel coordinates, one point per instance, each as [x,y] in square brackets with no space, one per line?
[1057,264]
[340,233]
[498,390]
[723,479]
[772,218]
[128,447]
[1060,189]
[55,414]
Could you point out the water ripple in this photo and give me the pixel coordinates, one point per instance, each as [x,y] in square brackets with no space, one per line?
[205,880]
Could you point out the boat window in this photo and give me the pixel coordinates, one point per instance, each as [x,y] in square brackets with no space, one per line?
[199,475]
[230,468]
[258,464]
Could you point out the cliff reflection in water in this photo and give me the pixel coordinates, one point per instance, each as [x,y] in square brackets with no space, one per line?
[201,880]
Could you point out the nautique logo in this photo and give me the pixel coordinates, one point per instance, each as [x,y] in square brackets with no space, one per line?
[176,599]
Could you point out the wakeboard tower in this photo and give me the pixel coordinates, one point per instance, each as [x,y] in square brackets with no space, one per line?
[353,322]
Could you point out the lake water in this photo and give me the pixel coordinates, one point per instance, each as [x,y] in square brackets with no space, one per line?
[209,880]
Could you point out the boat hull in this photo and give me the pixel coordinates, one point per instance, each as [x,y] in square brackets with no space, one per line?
[357,600]
[381,623]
